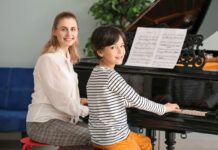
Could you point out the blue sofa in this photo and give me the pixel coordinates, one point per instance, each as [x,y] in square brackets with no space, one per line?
[16,87]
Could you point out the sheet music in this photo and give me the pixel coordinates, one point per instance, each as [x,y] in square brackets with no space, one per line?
[156,47]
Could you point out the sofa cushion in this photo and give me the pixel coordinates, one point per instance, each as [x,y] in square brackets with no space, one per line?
[16,87]
[4,79]
[20,89]
[12,120]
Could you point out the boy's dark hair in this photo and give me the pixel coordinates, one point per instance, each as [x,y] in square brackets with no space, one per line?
[105,36]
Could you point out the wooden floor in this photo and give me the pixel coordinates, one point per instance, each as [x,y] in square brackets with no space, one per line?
[194,141]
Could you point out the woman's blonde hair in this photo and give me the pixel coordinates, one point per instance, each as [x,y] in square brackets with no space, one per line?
[52,44]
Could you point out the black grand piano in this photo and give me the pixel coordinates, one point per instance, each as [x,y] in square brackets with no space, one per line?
[194,89]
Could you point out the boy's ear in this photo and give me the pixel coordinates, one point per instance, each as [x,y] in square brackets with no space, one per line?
[99,52]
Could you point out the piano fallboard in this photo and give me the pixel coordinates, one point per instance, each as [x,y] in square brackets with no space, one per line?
[172,122]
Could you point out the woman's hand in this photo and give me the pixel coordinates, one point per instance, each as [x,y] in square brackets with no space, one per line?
[84,101]
[172,107]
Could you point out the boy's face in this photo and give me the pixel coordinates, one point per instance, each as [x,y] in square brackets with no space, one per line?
[112,55]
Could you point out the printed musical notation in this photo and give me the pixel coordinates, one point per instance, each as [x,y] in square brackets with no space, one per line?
[156,47]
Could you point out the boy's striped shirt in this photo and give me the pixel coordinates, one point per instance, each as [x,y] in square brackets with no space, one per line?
[108,96]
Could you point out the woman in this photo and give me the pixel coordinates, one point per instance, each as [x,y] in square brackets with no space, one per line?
[56,104]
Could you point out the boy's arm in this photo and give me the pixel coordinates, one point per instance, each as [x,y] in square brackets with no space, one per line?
[118,85]
[128,104]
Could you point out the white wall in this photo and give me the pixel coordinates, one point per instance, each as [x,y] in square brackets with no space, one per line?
[210,22]
[25,27]
[26,24]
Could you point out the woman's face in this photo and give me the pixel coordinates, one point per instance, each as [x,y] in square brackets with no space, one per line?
[66,32]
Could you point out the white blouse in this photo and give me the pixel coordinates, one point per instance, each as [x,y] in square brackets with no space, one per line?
[56,93]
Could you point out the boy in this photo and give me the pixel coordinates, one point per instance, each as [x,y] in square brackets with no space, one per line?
[109,95]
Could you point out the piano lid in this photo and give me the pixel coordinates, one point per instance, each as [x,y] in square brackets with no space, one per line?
[187,14]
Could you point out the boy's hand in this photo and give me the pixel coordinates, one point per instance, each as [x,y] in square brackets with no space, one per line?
[172,107]
[84,101]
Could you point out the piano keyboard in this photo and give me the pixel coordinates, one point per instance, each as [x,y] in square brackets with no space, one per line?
[193,112]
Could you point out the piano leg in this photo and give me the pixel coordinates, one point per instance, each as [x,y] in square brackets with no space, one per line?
[170,140]
[152,135]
